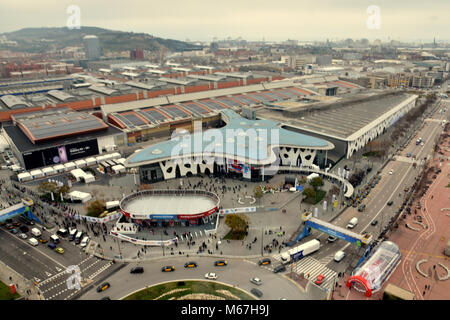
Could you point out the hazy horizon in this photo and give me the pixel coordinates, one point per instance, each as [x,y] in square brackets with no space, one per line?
[199,20]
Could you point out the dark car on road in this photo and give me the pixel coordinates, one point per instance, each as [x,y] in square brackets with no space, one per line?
[137,270]
[390,203]
[256,292]
[191,264]
[220,263]
[279,268]
[168,269]
[264,261]
[374,222]
[103,287]
[51,245]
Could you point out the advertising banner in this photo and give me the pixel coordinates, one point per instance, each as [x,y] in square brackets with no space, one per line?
[238,210]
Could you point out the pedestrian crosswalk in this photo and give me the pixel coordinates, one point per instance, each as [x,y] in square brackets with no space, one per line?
[311,268]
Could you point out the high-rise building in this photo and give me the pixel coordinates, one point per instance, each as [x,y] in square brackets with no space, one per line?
[92,47]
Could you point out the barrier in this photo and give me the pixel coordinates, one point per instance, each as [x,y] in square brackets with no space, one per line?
[237,210]
[153,243]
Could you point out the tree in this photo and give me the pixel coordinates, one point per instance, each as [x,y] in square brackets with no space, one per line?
[47,187]
[258,193]
[316,182]
[237,222]
[96,208]
[310,193]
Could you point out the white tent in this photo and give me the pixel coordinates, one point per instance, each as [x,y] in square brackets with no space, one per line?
[80,163]
[78,195]
[69,166]
[118,168]
[59,168]
[78,174]
[115,155]
[100,159]
[112,204]
[48,171]
[90,161]
[107,157]
[121,160]
[24,176]
[36,174]
[88,178]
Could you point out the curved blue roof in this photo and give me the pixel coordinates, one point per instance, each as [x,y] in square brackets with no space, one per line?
[243,138]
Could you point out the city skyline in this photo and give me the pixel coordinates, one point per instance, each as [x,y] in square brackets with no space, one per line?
[203,21]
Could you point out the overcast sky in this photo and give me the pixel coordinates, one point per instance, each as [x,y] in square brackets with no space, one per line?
[274,20]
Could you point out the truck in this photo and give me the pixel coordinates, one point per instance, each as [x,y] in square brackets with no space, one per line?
[352,223]
[36,232]
[300,251]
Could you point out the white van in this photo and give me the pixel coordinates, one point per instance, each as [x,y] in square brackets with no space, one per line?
[352,223]
[33,241]
[339,256]
[36,232]
[54,238]
[72,234]
[84,242]
[78,237]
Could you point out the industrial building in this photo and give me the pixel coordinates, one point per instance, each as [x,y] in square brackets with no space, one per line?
[348,123]
[57,136]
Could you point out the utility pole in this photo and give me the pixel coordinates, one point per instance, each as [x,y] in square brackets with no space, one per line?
[162,246]
[262,242]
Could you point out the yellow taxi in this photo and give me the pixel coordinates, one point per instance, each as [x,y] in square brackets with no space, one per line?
[168,269]
[59,250]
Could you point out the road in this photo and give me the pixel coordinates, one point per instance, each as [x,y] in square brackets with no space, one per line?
[387,189]
[238,273]
[45,266]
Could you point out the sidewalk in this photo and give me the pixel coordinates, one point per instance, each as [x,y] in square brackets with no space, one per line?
[24,287]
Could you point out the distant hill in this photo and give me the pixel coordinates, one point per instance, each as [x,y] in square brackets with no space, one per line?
[37,40]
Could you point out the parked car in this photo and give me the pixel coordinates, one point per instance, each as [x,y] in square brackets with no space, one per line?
[256,281]
[264,261]
[9,226]
[51,246]
[103,287]
[211,276]
[319,279]
[220,263]
[137,270]
[391,171]
[24,229]
[168,269]
[43,240]
[23,236]
[14,231]
[256,292]
[16,224]
[59,250]
[191,264]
